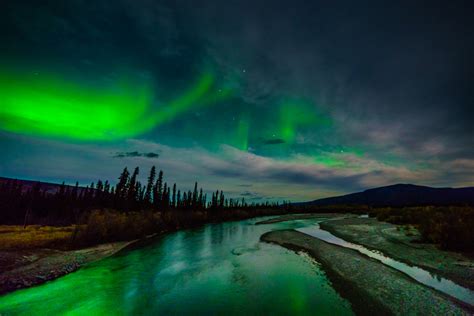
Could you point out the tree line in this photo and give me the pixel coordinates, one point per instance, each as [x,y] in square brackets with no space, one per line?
[20,205]
[448,226]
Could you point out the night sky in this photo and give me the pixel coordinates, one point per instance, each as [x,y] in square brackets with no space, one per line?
[263,99]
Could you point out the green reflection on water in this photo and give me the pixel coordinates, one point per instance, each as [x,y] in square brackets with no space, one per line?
[221,268]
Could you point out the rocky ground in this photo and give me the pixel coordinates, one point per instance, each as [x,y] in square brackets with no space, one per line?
[401,244]
[370,286]
[25,268]
[291,217]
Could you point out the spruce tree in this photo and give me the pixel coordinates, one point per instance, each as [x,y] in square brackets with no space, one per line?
[200,201]
[221,200]
[132,193]
[185,199]
[190,199]
[167,201]
[195,195]
[122,186]
[163,195]
[178,200]
[149,186]
[173,202]
[158,190]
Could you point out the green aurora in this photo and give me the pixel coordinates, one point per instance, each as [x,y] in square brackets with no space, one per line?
[238,94]
[48,105]
[51,106]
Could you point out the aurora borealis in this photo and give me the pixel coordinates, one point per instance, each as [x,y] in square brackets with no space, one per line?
[89,113]
[289,101]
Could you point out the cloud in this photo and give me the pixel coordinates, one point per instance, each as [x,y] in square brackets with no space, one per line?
[248,193]
[404,99]
[297,178]
[273,141]
[135,154]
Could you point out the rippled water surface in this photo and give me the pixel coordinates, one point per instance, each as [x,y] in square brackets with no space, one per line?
[424,277]
[217,269]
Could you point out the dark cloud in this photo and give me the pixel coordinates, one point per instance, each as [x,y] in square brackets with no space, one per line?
[273,141]
[374,65]
[151,155]
[248,193]
[135,154]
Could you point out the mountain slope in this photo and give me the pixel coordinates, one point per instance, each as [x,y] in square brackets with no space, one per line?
[44,186]
[402,195]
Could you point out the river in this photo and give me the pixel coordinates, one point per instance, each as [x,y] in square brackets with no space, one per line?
[216,269]
[422,276]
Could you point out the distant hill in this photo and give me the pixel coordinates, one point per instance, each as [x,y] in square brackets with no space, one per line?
[45,186]
[401,195]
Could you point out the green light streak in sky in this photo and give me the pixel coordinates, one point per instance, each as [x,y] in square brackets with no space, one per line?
[297,115]
[329,161]
[190,99]
[242,134]
[46,105]
[49,106]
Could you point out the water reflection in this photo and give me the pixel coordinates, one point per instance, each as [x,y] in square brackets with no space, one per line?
[217,269]
[435,281]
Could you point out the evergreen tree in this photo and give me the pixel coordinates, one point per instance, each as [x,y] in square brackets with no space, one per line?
[178,200]
[163,196]
[173,202]
[195,195]
[149,186]
[98,195]
[132,188]
[122,186]
[167,202]
[221,200]
[200,201]
[158,190]
[185,199]
[141,192]
[190,199]
[106,186]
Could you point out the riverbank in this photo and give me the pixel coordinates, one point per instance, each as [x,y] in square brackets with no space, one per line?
[292,217]
[36,254]
[29,267]
[401,243]
[370,286]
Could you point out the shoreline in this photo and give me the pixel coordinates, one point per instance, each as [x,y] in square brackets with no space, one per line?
[370,286]
[36,266]
[302,216]
[45,265]
[373,235]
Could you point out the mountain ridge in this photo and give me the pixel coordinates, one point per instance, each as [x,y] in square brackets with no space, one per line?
[400,194]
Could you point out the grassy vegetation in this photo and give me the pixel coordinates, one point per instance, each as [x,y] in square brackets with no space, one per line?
[340,208]
[108,225]
[449,226]
[35,236]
